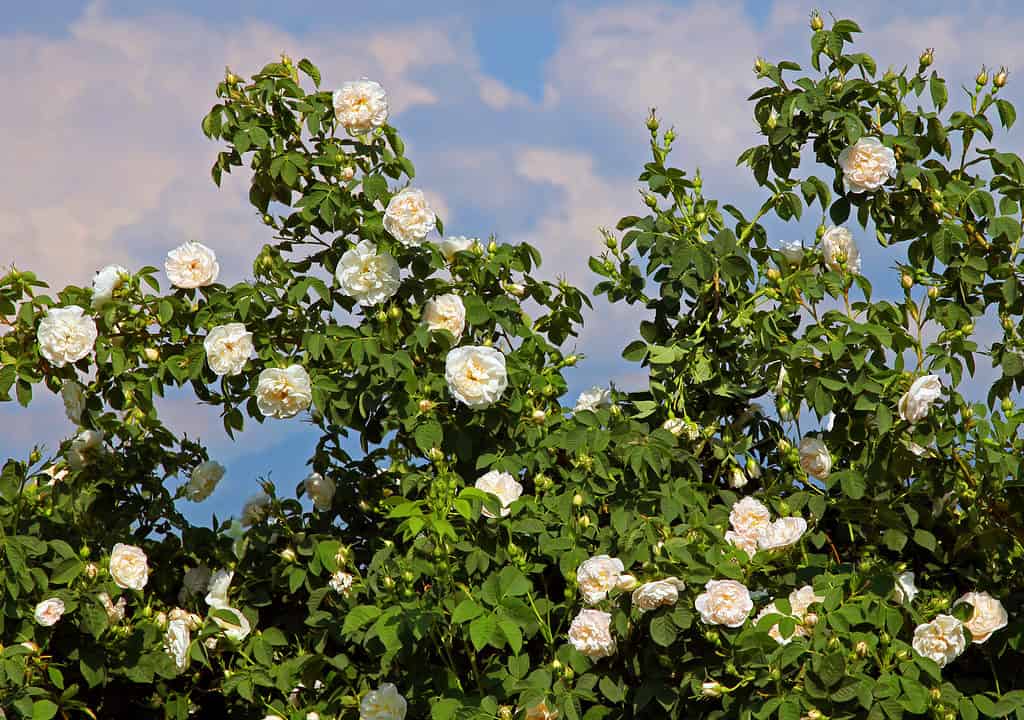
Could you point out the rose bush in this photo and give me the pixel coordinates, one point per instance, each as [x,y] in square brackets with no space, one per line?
[691,548]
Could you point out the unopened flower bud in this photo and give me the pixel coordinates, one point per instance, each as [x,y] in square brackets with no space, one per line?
[820,232]
[492,246]
[773,274]
[91,571]
[814,714]
[1007,404]
[816,21]
[760,66]
[584,521]
[933,292]
[783,445]
[927,57]
[161,619]
[538,416]
[907,280]
[505,713]
[1000,77]
[434,454]
[650,201]
[347,173]
[861,648]
[936,694]
[737,478]
[151,354]
[711,689]
[652,121]
[426,405]
[288,555]
[577,500]
[982,77]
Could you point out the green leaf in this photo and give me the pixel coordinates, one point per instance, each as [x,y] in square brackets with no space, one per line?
[663,630]
[510,629]
[853,484]
[1007,113]
[359,616]
[43,710]
[611,690]
[310,69]
[466,610]
[940,95]
[481,630]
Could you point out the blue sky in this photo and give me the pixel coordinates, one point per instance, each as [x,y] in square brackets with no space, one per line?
[525,121]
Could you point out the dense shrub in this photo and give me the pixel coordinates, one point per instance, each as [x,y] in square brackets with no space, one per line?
[800,516]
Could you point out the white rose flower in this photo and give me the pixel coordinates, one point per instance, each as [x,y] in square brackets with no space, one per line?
[105,282]
[774,632]
[459,243]
[676,426]
[916,402]
[838,245]
[129,566]
[65,335]
[228,347]
[866,165]
[504,486]
[73,395]
[724,602]
[341,582]
[384,703]
[476,375]
[48,612]
[217,588]
[746,543]
[782,533]
[989,615]
[655,594]
[176,642]
[905,589]
[115,612]
[361,106]
[237,629]
[749,516]
[792,252]
[192,265]
[800,600]
[85,449]
[320,490]
[203,480]
[815,458]
[541,711]
[408,217]
[591,634]
[515,289]
[255,509]
[366,275]
[284,392]
[941,640]
[445,312]
[593,399]
[597,576]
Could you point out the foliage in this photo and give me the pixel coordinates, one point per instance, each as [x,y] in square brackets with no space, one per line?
[464,599]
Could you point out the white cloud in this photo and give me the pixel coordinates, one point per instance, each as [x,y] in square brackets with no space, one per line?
[692,63]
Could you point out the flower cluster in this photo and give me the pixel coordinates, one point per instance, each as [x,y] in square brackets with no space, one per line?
[753,528]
